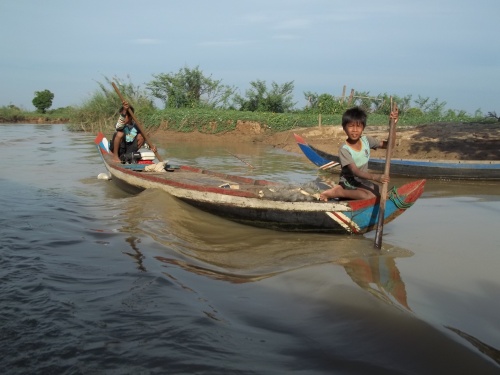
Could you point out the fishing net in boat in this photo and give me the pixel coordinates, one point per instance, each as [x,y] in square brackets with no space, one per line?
[158,167]
[308,192]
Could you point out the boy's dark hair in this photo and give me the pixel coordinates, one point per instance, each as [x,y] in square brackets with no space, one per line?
[122,108]
[355,114]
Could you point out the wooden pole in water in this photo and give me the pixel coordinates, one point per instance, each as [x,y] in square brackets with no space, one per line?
[237,157]
[351,97]
[141,128]
[383,193]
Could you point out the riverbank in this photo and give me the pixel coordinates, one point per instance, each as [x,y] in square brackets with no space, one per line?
[439,141]
[34,120]
[442,141]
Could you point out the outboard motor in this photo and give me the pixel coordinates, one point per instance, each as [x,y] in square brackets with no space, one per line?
[130,158]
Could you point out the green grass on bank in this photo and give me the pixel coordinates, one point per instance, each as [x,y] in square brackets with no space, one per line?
[96,118]
[220,121]
[13,114]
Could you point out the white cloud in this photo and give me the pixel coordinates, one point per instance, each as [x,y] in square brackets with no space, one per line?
[293,24]
[226,43]
[146,41]
[286,37]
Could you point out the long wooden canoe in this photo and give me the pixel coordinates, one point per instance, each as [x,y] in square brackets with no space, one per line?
[255,202]
[428,169]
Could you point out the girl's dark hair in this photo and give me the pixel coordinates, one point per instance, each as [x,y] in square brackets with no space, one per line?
[355,114]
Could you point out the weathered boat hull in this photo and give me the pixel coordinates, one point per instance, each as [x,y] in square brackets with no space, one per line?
[436,169]
[241,199]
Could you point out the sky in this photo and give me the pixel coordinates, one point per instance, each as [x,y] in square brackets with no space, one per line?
[445,49]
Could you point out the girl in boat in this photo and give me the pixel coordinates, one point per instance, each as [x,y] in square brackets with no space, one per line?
[355,179]
[127,139]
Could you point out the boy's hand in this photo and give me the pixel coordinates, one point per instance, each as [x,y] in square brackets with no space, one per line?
[380,178]
[394,114]
[125,107]
[383,178]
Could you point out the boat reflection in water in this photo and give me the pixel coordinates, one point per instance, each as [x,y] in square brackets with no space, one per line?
[380,276]
[207,245]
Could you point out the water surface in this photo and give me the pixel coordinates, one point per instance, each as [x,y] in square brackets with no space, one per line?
[96,281]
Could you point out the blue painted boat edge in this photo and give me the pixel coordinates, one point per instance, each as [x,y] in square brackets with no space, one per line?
[366,218]
[436,164]
[365,214]
[313,156]
[453,169]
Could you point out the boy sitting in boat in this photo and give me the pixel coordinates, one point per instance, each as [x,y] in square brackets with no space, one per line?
[127,138]
[355,179]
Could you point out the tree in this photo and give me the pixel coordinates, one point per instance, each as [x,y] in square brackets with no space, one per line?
[324,103]
[312,100]
[328,105]
[189,88]
[258,98]
[254,97]
[493,115]
[136,95]
[43,100]
[434,107]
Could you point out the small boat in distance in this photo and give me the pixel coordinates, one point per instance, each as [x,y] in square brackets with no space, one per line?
[428,169]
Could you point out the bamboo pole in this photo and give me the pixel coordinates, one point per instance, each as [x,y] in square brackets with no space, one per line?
[383,193]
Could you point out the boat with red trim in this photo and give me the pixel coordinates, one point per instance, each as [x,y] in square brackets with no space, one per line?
[259,203]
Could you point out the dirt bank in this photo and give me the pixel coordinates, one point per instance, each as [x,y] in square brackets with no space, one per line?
[442,141]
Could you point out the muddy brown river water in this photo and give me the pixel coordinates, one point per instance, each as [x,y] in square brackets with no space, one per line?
[94,280]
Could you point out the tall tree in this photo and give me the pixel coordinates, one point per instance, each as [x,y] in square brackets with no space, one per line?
[189,88]
[259,98]
[43,100]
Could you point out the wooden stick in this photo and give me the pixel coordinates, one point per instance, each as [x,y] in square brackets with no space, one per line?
[237,157]
[383,193]
[141,128]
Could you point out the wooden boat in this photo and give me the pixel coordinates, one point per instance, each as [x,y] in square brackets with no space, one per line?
[254,202]
[429,169]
